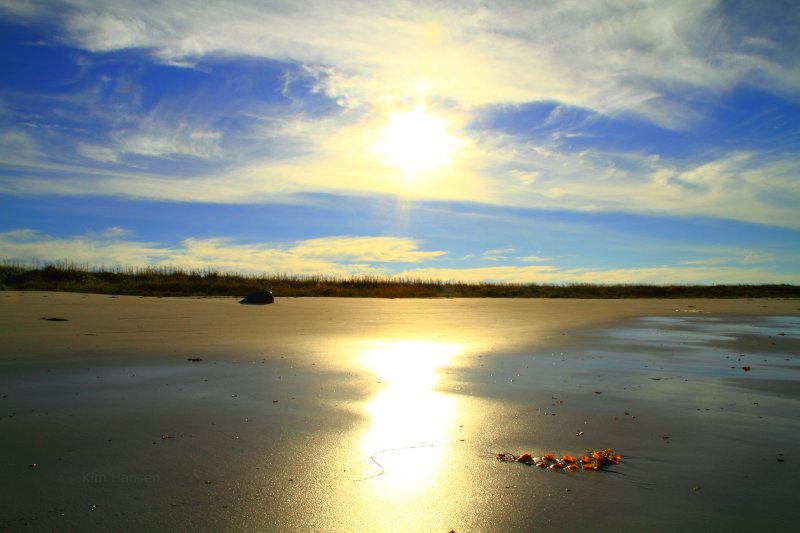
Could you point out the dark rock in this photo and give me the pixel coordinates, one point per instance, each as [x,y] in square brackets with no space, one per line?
[258,298]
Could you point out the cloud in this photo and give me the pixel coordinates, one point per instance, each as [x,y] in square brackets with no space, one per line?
[158,134]
[102,154]
[740,185]
[745,186]
[334,256]
[334,156]
[107,248]
[21,9]
[652,60]
[740,258]
[535,259]
[497,254]
[659,275]
[645,58]
[364,249]
[17,148]
[750,186]
[171,143]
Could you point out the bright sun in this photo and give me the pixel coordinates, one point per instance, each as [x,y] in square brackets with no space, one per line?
[415,141]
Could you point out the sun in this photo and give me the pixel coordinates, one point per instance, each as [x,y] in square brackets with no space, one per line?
[416,141]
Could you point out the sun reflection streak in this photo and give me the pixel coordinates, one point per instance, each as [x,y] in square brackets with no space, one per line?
[409,414]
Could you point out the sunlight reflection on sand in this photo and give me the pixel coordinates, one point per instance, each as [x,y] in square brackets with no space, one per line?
[409,415]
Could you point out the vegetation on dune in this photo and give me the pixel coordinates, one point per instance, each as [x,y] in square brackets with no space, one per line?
[172,281]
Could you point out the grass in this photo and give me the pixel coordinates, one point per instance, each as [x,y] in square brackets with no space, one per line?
[170,281]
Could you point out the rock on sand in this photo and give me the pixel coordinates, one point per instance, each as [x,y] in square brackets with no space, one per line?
[258,298]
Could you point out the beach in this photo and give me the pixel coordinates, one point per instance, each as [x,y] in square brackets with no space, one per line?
[326,414]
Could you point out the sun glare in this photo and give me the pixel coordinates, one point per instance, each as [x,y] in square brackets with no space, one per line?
[408,415]
[416,141]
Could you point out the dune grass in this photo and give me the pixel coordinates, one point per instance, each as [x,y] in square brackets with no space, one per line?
[172,281]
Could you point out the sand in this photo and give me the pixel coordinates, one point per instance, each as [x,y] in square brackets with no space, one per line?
[385,415]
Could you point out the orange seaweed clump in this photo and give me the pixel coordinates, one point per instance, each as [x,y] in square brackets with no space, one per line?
[605,457]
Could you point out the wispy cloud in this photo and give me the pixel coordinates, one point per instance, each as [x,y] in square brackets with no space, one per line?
[651,61]
[179,140]
[535,259]
[644,58]
[741,258]
[497,254]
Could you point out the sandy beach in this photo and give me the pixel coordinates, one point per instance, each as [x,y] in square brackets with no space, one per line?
[181,414]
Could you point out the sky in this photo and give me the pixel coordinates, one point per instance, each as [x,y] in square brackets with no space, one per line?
[557,141]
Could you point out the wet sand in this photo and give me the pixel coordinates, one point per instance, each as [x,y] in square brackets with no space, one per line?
[385,415]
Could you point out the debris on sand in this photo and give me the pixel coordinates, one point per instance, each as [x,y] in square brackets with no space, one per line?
[594,460]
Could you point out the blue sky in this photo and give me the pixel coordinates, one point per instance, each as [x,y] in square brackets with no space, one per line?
[552,142]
